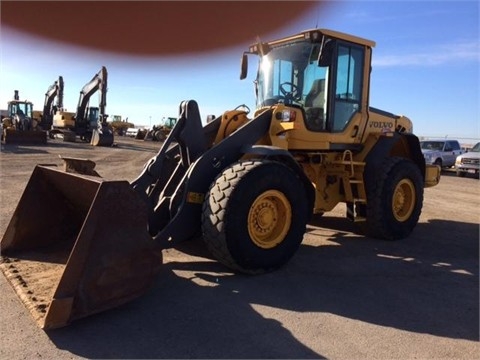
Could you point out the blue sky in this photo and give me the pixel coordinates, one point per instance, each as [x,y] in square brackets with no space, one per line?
[425,66]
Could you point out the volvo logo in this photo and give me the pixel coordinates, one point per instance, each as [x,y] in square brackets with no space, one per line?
[381,124]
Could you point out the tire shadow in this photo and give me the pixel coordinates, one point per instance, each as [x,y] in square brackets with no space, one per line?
[180,319]
[427,283]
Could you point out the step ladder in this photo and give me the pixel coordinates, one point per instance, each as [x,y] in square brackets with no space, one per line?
[353,185]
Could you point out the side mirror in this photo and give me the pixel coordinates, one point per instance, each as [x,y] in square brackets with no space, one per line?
[244,67]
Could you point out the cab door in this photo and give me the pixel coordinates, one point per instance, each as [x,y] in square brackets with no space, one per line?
[348,92]
[451,151]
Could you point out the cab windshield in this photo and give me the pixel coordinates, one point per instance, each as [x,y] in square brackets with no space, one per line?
[93,116]
[22,109]
[432,145]
[476,148]
[288,74]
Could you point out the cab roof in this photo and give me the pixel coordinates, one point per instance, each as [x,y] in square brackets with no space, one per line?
[318,33]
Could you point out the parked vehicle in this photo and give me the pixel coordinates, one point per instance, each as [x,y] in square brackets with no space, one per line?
[469,162]
[54,91]
[247,186]
[160,132]
[132,132]
[89,123]
[19,126]
[441,152]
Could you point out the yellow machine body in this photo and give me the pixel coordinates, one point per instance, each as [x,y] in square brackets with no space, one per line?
[78,244]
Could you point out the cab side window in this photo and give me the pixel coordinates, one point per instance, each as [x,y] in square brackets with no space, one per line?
[348,87]
[454,145]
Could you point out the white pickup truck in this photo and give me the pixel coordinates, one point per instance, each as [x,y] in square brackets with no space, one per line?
[469,163]
[132,132]
[441,152]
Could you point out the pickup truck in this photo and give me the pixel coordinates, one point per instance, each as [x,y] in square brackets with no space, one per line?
[441,152]
[132,132]
[469,162]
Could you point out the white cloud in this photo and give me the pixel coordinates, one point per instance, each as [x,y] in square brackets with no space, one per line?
[448,53]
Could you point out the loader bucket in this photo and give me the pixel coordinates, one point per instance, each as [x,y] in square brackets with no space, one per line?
[102,138]
[77,245]
[26,137]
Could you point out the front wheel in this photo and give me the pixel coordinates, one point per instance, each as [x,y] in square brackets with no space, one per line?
[255,216]
[395,200]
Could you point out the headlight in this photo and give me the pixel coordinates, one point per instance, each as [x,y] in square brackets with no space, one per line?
[428,157]
[458,160]
[286,115]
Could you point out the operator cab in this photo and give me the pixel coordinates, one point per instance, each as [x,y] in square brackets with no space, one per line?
[20,107]
[93,117]
[322,73]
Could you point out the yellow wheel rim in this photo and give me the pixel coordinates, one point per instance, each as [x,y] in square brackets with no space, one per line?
[269,219]
[403,201]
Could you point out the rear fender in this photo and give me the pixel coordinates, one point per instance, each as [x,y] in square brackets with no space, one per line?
[400,144]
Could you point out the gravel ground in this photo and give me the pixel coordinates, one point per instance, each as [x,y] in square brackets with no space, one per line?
[342,296]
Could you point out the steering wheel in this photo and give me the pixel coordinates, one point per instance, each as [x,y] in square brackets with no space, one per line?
[292,94]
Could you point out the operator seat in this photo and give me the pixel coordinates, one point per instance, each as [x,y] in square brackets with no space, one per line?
[315,106]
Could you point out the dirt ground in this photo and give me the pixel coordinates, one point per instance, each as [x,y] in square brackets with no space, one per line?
[342,296]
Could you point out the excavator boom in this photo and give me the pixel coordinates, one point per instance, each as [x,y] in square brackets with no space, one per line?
[98,83]
[54,91]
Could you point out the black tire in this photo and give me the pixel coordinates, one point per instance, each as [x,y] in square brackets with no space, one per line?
[255,215]
[395,200]
[361,209]
[69,136]
[438,162]
[160,136]
[87,137]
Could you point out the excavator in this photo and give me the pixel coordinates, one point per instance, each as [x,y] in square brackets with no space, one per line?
[54,91]
[89,123]
[20,126]
[248,184]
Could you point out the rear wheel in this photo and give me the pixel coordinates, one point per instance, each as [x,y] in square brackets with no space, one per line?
[160,136]
[254,216]
[395,200]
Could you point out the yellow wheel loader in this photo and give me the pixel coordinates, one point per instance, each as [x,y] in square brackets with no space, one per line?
[248,185]
[160,132]
[20,126]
